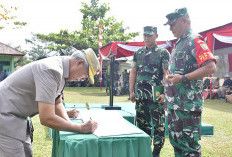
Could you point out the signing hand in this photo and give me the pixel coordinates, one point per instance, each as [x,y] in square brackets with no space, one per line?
[73,113]
[89,127]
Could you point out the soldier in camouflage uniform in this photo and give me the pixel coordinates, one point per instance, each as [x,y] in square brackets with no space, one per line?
[191,60]
[149,67]
[117,83]
[125,82]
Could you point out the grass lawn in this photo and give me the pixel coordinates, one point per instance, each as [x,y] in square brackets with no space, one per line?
[216,112]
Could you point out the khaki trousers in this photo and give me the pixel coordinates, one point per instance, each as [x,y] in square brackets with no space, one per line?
[10,147]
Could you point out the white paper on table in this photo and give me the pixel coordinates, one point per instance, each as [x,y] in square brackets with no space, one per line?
[110,122]
[82,115]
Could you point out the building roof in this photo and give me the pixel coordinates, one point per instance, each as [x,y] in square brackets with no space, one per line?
[6,50]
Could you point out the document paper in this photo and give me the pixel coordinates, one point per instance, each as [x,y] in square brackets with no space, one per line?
[110,123]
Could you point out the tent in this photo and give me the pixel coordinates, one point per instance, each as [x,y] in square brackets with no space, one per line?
[219,41]
[126,49]
[123,52]
[219,37]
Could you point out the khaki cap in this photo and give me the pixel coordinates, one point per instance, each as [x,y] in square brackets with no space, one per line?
[93,62]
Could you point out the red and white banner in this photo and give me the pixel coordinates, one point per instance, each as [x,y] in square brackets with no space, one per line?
[100,45]
[222,33]
[127,49]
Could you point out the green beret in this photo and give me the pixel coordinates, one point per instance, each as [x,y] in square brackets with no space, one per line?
[172,17]
[150,30]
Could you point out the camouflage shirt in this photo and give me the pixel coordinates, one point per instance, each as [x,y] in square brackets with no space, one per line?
[189,53]
[149,64]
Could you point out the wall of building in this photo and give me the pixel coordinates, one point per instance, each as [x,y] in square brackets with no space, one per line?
[7,63]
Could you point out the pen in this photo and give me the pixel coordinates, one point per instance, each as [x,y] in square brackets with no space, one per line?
[87,106]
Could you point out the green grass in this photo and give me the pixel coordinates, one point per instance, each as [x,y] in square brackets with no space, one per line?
[42,145]
[216,112]
[90,95]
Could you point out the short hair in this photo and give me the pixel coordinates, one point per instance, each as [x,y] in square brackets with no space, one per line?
[79,55]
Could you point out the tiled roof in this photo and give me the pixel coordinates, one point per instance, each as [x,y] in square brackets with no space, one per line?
[6,50]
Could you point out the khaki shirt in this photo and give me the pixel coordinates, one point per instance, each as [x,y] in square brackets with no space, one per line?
[39,81]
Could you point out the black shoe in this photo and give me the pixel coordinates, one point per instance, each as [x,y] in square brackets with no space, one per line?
[156,155]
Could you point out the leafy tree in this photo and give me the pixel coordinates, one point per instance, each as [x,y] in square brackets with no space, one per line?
[93,15]
[38,48]
[22,60]
[61,40]
[7,18]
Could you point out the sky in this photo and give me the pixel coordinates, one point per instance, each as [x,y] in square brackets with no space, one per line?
[50,16]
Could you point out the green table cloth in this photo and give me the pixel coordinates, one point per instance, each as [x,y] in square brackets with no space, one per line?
[69,144]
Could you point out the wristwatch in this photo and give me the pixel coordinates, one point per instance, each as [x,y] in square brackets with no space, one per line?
[184,79]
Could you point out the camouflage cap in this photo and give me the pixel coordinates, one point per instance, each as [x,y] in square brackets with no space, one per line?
[150,30]
[172,17]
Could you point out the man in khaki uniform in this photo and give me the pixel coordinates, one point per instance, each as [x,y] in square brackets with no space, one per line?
[32,90]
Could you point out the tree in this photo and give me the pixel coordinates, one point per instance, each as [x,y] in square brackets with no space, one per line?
[37,49]
[7,18]
[22,60]
[93,15]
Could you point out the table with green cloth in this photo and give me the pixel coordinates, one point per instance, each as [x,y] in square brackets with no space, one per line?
[70,144]
[127,109]
[128,112]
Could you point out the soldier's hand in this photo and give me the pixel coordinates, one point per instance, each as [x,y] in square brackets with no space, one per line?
[161,98]
[73,113]
[174,79]
[132,97]
[89,127]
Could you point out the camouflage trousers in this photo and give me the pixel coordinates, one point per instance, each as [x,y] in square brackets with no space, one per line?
[148,112]
[184,132]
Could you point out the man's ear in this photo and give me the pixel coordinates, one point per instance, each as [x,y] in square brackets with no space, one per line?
[156,35]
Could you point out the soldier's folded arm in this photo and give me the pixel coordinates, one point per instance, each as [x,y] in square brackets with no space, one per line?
[204,71]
